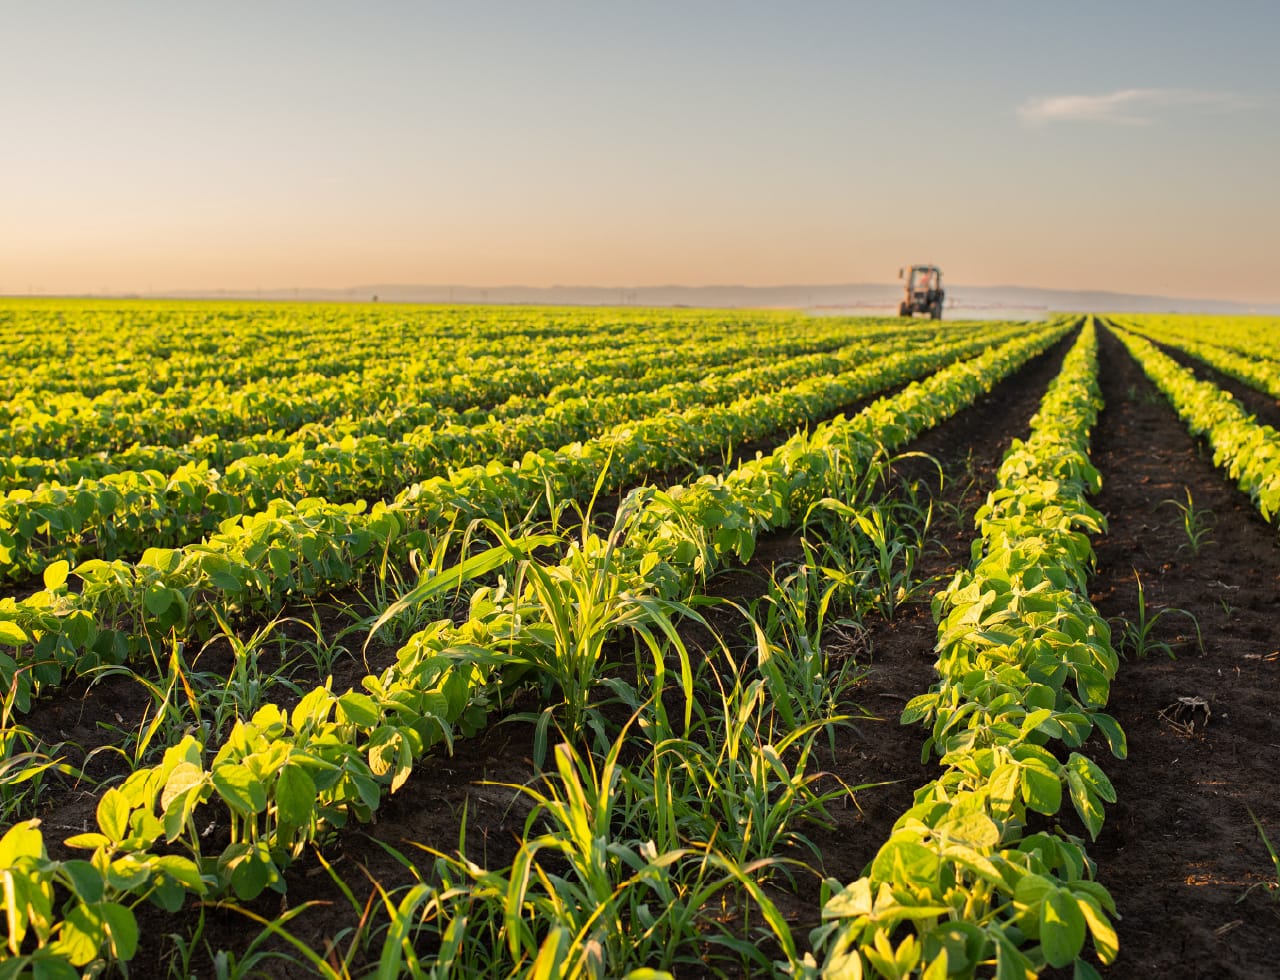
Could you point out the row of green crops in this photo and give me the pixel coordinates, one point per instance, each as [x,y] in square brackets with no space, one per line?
[1255,371]
[255,561]
[282,778]
[460,376]
[1251,337]
[90,348]
[965,884]
[28,472]
[122,514]
[1249,452]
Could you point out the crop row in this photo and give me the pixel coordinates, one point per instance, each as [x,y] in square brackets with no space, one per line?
[1260,374]
[1249,452]
[1025,663]
[91,348]
[121,514]
[257,560]
[43,425]
[1251,337]
[28,472]
[280,779]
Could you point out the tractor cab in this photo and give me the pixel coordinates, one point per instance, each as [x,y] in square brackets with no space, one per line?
[924,293]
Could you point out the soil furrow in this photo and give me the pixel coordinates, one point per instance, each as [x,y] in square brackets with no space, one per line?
[1179,851]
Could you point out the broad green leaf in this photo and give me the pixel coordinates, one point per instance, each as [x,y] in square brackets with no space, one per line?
[55,575]
[240,788]
[81,935]
[1105,940]
[86,880]
[360,709]
[1086,804]
[184,776]
[295,795]
[1062,927]
[1041,789]
[12,634]
[121,927]
[113,815]
[1113,733]
[157,599]
[22,840]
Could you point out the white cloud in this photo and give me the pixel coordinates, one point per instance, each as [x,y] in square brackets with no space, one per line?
[1129,107]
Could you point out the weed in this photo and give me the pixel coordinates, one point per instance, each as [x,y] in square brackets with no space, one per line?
[1137,636]
[1272,887]
[806,682]
[253,961]
[884,541]
[1195,522]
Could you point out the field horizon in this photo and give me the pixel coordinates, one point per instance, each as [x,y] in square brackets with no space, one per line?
[857,297]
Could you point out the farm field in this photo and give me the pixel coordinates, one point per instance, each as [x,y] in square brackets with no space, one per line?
[389,640]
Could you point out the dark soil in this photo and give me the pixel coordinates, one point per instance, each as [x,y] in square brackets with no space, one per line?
[1179,851]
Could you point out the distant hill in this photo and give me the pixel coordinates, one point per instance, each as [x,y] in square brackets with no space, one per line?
[867,297]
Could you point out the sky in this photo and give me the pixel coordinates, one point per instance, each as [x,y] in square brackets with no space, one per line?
[1093,145]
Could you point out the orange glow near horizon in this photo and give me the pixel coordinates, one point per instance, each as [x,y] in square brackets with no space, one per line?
[630,148]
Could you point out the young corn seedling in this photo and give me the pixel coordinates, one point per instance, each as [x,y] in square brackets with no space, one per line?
[239,692]
[174,710]
[893,535]
[806,682]
[1272,887]
[747,783]
[1195,522]
[1137,636]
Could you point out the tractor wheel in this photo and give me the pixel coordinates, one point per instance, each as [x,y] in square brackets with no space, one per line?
[904,309]
[936,311]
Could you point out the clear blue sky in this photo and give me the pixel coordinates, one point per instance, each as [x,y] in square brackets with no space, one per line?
[153,146]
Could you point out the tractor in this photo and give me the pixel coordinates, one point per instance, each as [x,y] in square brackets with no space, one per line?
[924,291]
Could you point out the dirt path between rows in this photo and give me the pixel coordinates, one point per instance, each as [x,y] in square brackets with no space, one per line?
[1179,851]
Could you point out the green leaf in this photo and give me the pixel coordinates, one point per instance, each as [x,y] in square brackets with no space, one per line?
[919,708]
[1041,789]
[184,776]
[1105,940]
[86,880]
[241,789]
[157,599]
[81,935]
[1061,927]
[55,575]
[12,634]
[1032,888]
[937,970]
[1113,733]
[113,815]
[464,571]
[168,894]
[163,559]
[182,870]
[295,795]
[121,927]
[250,868]
[51,968]
[1085,803]
[22,840]
[360,709]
